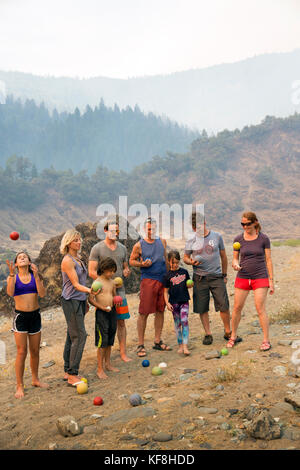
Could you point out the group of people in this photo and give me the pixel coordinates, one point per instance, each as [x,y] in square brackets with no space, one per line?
[164,283]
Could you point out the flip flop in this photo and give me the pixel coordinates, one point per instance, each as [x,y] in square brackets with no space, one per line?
[74,384]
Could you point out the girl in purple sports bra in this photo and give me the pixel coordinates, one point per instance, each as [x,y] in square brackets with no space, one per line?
[25,286]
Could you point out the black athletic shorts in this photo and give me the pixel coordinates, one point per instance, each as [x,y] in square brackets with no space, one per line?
[27,322]
[203,286]
[105,328]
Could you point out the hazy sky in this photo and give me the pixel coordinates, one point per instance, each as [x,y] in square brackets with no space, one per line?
[126,38]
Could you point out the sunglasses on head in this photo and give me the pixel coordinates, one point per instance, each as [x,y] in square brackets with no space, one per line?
[246,224]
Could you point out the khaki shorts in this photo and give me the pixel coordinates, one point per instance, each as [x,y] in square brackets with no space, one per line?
[206,285]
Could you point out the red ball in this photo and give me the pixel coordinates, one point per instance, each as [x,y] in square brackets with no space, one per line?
[14,235]
[98,401]
[118,299]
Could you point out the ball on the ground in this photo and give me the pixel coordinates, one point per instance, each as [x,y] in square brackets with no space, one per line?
[118,281]
[98,401]
[162,365]
[145,363]
[156,371]
[224,351]
[84,380]
[117,299]
[14,236]
[82,388]
[96,286]
[189,283]
[236,246]
[135,399]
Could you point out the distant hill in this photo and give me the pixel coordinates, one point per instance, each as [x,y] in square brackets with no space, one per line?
[256,169]
[120,139]
[225,96]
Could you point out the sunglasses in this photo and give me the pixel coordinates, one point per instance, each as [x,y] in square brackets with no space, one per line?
[246,224]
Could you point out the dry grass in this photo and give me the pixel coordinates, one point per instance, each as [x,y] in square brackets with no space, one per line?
[231,373]
[291,242]
[287,312]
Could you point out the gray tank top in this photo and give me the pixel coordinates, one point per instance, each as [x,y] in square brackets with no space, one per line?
[69,291]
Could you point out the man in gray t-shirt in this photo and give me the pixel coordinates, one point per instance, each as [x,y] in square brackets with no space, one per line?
[111,248]
[205,251]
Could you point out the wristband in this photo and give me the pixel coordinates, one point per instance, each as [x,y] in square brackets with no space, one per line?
[11,275]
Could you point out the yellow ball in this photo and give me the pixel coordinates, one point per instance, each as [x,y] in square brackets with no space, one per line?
[84,380]
[118,281]
[236,245]
[82,388]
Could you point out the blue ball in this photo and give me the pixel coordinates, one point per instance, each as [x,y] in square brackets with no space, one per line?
[145,363]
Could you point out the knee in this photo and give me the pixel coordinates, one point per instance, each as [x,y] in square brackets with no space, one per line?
[260,311]
[21,352]
[121,324]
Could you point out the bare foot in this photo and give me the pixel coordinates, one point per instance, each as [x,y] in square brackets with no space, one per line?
[37,383]
[20,391]
[186,352]
[125,358]
[180,350]
[102,375]
[111,368]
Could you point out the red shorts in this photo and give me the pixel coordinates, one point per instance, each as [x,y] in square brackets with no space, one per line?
[151,297]
[251,284]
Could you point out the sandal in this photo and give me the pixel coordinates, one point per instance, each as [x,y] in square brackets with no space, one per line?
[227,336]
[161,346]
[232,342]
[141,351]
[265,346]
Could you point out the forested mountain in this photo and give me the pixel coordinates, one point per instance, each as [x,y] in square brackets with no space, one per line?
[118,139]
[257,169]
[223,96]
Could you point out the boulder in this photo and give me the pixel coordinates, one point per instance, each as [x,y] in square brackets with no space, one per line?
[68,426]
[263,426]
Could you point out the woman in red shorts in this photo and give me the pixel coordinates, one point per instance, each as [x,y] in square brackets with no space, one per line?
[255,272]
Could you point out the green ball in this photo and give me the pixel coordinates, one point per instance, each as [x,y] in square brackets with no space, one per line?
[224,351]
[96,286]
[189,283]
[156,371]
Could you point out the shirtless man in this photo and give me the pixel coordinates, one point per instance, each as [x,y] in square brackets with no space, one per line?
[106,316]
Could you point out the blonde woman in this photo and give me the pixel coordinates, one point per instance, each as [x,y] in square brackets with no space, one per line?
[25,286]
[74,303]
[254,265]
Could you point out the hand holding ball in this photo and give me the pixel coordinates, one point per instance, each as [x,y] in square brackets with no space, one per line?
[96,286]
[118,282]
[117,300]
[189,283]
